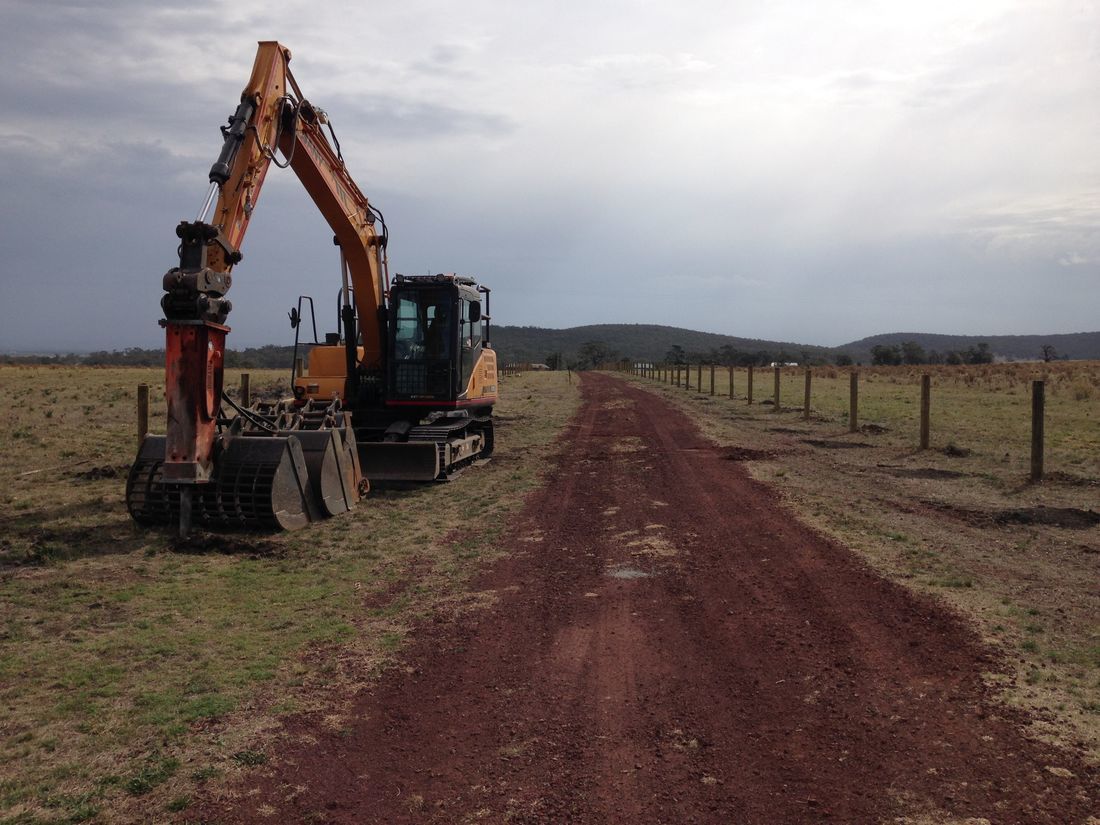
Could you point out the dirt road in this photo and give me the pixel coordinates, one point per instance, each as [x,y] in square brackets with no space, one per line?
[669,645]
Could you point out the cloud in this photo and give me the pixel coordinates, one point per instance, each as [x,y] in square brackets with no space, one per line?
[391,117]
[779,169]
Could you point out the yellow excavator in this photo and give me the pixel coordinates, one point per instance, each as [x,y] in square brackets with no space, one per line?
[403,391]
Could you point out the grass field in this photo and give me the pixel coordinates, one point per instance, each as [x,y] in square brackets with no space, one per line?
[984,409]
[959,521]
[134,671]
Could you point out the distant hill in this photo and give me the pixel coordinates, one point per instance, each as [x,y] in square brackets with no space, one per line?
[1011,347]
[650,342]
[647,342]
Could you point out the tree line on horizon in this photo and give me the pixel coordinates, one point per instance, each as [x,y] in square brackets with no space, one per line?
[266,357]
[593,354]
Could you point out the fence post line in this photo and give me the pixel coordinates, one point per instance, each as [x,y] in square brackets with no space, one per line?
[142,412]
[806,400]
[853,401]
[712,379]
[925,409]
[731,380]
[1038,402]
[749,390]
[775,407]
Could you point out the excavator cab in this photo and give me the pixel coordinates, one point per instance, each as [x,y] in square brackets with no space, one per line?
[438,333]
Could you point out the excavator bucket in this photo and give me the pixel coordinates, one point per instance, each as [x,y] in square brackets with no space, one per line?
[147,499]
[259,483]
[332,471]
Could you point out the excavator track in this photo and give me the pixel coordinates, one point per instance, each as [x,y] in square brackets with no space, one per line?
[432,452]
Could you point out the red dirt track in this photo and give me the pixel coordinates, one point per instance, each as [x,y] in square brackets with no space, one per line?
[669,645]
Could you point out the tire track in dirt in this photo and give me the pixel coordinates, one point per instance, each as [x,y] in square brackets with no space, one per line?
[673,646]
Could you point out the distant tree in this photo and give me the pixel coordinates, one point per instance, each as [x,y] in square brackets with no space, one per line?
[980,354]
[727,355]
[675,354]
[592,354]
[555,361]
[1049,352]
[913,353]
[885,355]
[934,357]
[843,359]
[953,358]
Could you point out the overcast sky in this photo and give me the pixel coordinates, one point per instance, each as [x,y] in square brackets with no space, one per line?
[810,172]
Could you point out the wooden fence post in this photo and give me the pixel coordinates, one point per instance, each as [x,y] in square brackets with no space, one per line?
[712,379]
[775,407]
[246,390]
[1038,401]
[806,400]
[749,389]
[699,376]
[925,409]
[731,380]
[853,401]
[142,412]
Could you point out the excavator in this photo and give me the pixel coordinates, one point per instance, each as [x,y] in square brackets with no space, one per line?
[403,391]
